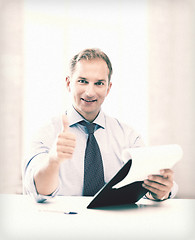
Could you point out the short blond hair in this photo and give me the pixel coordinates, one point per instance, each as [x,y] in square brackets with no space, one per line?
[89,54]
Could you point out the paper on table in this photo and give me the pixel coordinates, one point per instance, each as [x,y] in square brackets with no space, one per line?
[149,160]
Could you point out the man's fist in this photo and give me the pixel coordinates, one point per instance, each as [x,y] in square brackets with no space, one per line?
[65,144]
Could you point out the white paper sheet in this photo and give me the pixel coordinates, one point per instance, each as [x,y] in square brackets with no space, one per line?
[149,160]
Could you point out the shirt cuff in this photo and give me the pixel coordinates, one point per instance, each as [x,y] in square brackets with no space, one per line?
[42,198]
[174,190]
[30,188]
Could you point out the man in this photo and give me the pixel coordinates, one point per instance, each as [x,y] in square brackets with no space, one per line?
[56,162]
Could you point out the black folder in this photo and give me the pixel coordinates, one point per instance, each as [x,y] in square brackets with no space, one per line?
[128,194]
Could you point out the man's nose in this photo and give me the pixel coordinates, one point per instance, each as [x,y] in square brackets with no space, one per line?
[90,91]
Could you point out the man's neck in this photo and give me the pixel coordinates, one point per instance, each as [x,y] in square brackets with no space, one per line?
[89,118]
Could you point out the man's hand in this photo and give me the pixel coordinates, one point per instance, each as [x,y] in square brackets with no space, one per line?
[47,175]
[65,143]
[159,186]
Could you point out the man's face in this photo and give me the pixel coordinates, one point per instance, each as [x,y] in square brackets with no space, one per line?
[89,86]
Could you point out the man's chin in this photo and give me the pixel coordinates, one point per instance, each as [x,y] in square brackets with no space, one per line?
[88,114]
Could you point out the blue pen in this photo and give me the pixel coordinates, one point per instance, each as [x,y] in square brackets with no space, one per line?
[70,212]
[57,211]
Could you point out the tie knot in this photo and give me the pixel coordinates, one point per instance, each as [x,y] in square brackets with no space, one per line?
[90,126]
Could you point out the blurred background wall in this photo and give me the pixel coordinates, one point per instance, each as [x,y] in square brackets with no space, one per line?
[11,94]
[151,46]
[171,83]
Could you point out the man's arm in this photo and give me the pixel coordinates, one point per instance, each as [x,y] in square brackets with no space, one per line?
[46,177]
[159,186]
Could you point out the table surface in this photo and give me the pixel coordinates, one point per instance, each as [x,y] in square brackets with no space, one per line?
[23,218]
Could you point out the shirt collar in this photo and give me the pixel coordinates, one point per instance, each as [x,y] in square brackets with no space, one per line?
[74,117]
[100,119]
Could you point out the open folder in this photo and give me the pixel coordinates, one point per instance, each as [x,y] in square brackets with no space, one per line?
[126,186]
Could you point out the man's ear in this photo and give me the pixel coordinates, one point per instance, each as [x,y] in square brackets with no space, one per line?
[68,83]
[109,87]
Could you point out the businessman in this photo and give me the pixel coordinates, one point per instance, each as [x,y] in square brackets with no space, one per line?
[77,153]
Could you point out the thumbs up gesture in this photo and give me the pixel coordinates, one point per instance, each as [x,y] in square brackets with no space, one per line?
[65,123]
[66,142]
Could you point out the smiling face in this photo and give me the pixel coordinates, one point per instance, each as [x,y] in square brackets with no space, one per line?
[89,85]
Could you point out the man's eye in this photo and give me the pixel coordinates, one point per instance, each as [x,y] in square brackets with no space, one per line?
[82,81]
[99,83]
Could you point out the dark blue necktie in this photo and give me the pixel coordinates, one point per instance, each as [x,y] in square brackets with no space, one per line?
[93,166]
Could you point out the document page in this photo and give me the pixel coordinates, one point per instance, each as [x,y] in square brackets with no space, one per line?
[149,160]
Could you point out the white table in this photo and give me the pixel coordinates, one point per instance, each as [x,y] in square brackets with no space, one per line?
[23,218]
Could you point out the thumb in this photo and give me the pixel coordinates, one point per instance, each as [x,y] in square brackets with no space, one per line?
[65,122]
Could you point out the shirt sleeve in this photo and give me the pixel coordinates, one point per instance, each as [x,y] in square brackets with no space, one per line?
[29,186]
[174,190]
[37,152]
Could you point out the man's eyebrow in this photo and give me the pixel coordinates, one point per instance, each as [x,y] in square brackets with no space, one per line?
[82,78]
[101,80]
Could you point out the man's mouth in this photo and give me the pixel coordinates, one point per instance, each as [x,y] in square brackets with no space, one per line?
[88,101]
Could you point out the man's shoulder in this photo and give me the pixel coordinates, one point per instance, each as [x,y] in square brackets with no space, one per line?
[116,122]
[123,131]
[50,126]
